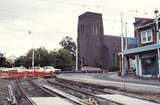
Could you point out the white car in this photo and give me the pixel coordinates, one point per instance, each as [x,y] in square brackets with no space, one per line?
[19,69]
[51,69]
[37,68]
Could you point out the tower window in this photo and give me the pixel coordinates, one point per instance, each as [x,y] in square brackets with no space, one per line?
[82,61]
[82,28]
[95,29]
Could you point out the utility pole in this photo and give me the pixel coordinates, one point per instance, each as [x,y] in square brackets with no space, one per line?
[39,58]
[157,33]
[77,56]
[33,57]
[126,39]
[122,36]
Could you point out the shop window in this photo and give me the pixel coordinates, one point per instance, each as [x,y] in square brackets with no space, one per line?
[148,61]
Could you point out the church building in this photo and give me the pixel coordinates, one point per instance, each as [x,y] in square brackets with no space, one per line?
[94,48]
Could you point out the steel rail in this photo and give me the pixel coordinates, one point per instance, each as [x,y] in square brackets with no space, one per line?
[47,89]
[39,86]
[66,95]
[85,92]
[109,90]
[23,92]
[89,86]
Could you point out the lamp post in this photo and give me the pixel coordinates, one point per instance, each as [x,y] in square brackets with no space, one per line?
[29,32]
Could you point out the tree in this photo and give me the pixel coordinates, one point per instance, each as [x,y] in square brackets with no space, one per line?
[68,44]
[2,61]
[53,57]
[41,56]
[23,61]
[64,59]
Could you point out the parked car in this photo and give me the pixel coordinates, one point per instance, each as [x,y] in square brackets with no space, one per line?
[19,69]
[37,68]
[51,69]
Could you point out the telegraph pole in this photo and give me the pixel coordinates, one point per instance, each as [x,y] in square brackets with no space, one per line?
[33,58]
[39,58]
[122,62]
[157,33]
[126,40]
[77,56]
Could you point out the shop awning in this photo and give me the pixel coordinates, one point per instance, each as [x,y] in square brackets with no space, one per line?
[140,49]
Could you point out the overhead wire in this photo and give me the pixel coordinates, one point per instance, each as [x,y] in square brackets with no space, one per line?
[98,7]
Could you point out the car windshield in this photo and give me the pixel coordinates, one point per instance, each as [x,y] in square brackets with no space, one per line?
[49,67]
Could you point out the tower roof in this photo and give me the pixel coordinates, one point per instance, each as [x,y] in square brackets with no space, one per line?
[90,15]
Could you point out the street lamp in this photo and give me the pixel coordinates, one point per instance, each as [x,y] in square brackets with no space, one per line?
[29,32]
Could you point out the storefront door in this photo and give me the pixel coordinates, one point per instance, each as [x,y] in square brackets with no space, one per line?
[149,66]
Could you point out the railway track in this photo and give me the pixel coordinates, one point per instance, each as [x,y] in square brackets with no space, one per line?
[88,87]
[22,97]
[25,91]
[88,94]
[22,91]
[33,90]
[75,93]
[111,90]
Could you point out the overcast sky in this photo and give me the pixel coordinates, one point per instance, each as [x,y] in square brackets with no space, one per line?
[51,20]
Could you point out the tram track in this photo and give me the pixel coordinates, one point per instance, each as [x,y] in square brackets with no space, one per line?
[27,90]
[111,90]
[83,92]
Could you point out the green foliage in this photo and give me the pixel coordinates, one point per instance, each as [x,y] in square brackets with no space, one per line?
[63,58]
[68,44]
[2,61]
[41,57]
[23,61]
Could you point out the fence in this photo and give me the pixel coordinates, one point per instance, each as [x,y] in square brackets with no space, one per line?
[17,74]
